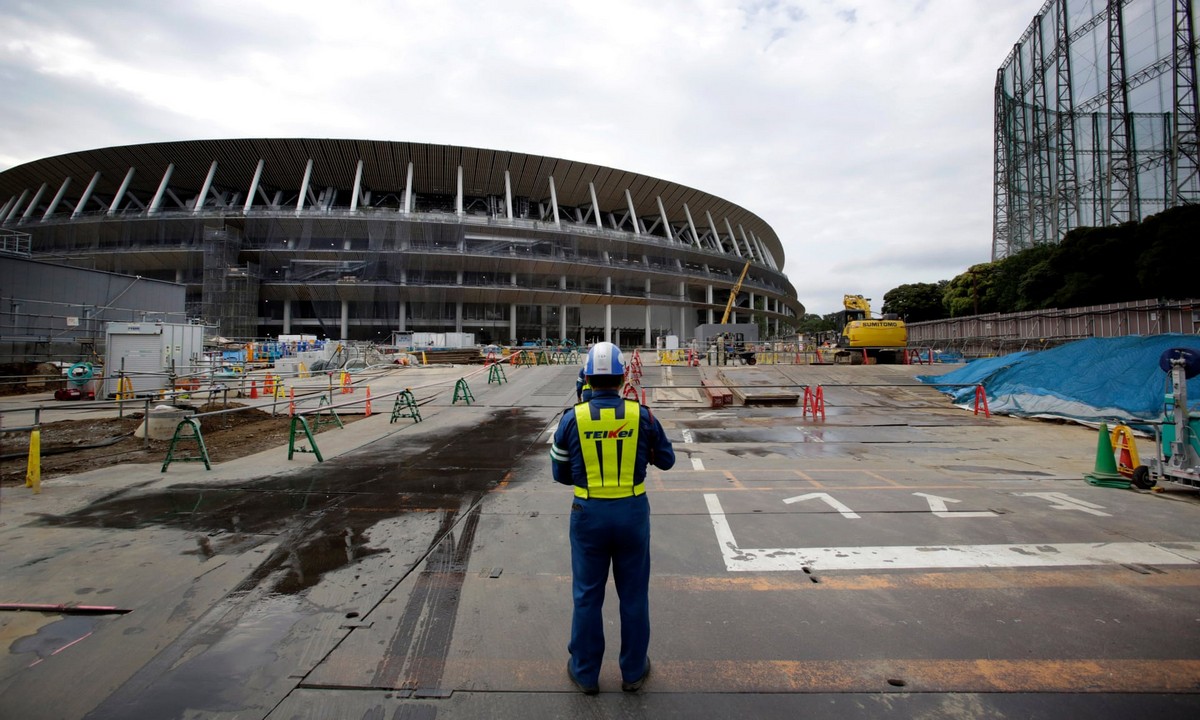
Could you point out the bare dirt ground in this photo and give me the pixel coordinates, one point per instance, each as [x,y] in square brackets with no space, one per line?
[74,446]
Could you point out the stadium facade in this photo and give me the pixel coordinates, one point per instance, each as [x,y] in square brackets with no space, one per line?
[1095,119]
[356,239]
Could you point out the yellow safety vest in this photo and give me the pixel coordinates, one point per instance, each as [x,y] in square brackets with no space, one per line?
[609,444]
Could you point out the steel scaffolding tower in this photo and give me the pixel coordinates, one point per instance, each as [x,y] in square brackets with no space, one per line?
[1095,119]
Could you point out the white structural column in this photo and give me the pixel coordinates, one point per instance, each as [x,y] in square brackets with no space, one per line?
[750,308]
[37,197]
[595,205]
[732,237]
[254,186]
[163,184]
[8,205]
[749,246]
[662,212]
[408,194]
[716,233]
[300,200]
[458,201]
[692,225]
[87,195]
[16,207]
[647,339]
[608,309]
[203,196]
[345,320]
[508,195]
[682,332]
[554,202]
[708,298]
[562,309]
[637,226]
[512,322]
[58,196]
[112,209]
[402,312]
[357,186]
[458,307]
[287,316]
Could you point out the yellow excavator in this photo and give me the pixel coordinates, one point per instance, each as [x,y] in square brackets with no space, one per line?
[864,339]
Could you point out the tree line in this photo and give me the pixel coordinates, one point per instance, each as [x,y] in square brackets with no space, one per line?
[1156,258]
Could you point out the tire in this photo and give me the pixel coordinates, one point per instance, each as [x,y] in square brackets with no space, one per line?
[1142,478]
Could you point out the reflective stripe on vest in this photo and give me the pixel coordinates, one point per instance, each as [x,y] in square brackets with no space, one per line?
[609,444]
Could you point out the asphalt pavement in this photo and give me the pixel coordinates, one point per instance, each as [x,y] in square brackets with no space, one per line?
[896,557]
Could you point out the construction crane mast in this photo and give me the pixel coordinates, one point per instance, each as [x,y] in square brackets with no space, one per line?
[734,293]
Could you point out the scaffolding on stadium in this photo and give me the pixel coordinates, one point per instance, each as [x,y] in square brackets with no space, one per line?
[1095,119]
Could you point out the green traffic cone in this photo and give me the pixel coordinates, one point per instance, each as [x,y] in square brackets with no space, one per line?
[1105,474]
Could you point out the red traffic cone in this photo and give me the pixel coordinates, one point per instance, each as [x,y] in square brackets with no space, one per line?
[253,389]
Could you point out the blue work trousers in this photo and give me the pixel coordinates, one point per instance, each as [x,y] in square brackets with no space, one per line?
[604,532]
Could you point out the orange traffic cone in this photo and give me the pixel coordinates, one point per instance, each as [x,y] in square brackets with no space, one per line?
[291,402]
[253,389]
[1105,473]
[367,407]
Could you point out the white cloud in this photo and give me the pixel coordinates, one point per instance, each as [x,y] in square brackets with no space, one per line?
[860,130]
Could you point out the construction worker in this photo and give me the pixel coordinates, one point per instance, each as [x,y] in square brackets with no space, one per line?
[602,448]
[583,391]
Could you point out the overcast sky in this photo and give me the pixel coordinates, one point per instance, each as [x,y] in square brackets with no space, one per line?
[861,130]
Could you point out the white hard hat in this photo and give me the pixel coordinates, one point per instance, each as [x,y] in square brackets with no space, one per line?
[604,359]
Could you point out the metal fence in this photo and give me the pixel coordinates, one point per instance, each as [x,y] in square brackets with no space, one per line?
[997,334]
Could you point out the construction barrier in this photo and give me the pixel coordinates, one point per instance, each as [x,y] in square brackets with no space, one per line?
[814,401]
[1125,450]
[405,406]
[981,399]
[193,436]
[292,449]
[462,391]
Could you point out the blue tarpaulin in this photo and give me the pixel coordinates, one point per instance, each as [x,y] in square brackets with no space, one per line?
[1093,380]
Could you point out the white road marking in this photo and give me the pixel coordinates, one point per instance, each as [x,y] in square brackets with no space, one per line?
[828,500]
[1063,501]
[937,506]
[687,437]
[717,414]
[697,464]
[917,557]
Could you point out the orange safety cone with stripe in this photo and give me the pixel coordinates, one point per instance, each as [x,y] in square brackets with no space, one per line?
[253,389]
[367,407]
[291,402]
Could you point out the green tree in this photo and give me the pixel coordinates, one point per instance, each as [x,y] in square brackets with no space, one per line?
[915,302]
[973,292]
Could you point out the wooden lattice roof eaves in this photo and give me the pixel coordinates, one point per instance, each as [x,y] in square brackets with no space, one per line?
[385,167]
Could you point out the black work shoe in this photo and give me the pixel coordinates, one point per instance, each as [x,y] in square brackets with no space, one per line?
[637,684]
[585,689]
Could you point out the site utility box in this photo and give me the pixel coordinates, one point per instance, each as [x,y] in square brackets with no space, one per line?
[148,353]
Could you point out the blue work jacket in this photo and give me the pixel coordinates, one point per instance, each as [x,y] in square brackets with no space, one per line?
[566,457]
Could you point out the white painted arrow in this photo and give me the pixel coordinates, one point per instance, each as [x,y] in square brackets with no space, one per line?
[1063,501]
[828,500]
[937,505]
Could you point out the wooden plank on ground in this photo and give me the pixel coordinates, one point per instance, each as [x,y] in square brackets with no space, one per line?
[759,385]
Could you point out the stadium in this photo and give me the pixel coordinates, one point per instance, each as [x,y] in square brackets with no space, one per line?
[358,239]
[1095,119]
